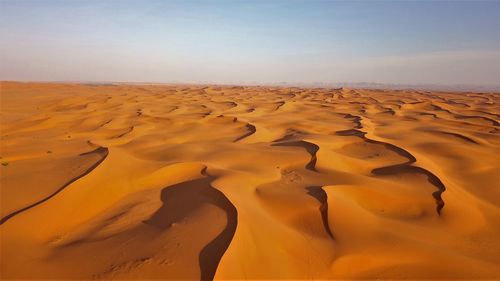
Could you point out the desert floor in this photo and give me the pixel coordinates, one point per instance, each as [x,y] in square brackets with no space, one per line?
[126,181]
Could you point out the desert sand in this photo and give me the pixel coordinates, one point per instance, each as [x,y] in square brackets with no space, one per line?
[125,181]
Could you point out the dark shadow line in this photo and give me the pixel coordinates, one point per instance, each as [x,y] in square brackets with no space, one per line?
[179,200]
[310,147]
[319,193]
[251,130]
[122,134]
[99,150]
[405,167]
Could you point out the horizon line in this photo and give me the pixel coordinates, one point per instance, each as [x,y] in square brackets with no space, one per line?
[493,88]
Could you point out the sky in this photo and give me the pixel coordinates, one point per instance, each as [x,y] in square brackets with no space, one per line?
[397,42]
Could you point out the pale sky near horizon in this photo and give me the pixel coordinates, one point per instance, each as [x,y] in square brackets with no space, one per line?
[403,42]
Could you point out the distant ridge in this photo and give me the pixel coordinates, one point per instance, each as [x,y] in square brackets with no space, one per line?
[388,86]
[354,85]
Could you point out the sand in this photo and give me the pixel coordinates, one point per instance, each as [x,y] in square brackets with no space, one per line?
[126,181]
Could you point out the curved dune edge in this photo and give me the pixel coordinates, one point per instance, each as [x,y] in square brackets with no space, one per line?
[101,151]
[405,167]
[251,130]
[301,183]
[318,193]
[183,194]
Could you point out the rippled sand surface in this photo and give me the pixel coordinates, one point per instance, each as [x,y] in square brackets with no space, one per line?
[128,181]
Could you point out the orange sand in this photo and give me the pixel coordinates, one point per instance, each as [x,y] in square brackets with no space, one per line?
[191,182]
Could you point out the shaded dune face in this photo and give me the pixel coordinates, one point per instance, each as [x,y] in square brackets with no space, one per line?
[404,167]
[228,182]
[184,198]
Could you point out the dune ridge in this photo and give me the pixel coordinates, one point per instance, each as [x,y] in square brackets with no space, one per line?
[204,182]
[101,151]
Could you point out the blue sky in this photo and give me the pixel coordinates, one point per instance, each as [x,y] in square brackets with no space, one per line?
[445,42]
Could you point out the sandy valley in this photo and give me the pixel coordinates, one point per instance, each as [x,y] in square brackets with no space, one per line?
[125,181]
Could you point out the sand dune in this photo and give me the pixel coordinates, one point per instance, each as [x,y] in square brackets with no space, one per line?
[229,182]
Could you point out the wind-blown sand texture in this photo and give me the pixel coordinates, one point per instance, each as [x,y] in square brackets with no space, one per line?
[189,182]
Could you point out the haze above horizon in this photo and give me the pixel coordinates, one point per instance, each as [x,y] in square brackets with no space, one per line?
[400,42]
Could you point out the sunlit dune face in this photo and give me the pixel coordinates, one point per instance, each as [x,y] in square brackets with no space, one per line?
[126,181]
